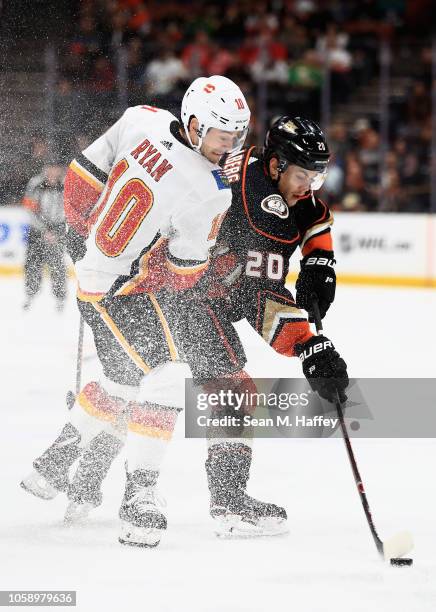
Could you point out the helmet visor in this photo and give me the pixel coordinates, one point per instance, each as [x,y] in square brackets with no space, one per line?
[318,180]
[222,141]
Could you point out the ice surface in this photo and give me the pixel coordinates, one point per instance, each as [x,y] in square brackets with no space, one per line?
[327,562]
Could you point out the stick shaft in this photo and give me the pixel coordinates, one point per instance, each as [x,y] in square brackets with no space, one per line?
[350,453]
[79,355]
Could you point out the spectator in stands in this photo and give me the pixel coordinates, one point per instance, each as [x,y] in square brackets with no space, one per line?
[332,47]
[419,103]
[356,196]
[229,30]
[102,77]
[282,44]
[134,63]
[163,74]
[306,73]
[221,61]
[116,35]
[196,55]
[368,152]
[85,46]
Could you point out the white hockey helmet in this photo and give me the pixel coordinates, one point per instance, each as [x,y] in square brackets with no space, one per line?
[217,102]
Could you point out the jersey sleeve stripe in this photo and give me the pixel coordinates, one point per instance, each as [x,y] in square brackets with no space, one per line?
[316,229]
[87,165]
[323,241]
[86,176]
[289,334]
[282,317]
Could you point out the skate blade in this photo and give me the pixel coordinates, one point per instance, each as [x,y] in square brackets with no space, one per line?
[30,486]
[234,527]
[139,536]
[77,514]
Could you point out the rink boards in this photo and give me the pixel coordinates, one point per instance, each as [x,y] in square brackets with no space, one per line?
[370,248]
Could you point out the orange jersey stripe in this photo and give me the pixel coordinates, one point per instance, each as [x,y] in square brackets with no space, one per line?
[324,242]
[290,335]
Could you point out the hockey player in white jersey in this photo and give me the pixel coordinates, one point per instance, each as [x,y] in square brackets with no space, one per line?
[144,204]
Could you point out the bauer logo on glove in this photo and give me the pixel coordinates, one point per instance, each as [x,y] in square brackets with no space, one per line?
[323,367]
[317,279]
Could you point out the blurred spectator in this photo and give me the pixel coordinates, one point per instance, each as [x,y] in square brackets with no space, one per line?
[102,77]
[419,103]
[283,44]
[116,36]
[229,30]
[134,63]
[222,60]
[355,196]
[369,155]
[163,73]
[196,55]
[86,45]
[307,73]
[332,47]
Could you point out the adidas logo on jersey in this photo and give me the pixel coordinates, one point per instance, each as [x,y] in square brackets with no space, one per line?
[168,145]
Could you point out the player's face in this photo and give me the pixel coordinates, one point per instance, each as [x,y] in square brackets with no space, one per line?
[295,182]
[218,142]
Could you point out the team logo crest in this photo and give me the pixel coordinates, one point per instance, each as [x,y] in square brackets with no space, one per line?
[275,205]
[290,127]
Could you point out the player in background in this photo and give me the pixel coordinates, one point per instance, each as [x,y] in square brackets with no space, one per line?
[143,203]
[43,199]
[274,211]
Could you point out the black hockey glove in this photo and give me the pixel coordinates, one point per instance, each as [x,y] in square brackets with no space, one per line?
[317,280]
[323,367]
[75,243]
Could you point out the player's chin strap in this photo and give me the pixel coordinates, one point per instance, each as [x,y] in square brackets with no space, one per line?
[401,543]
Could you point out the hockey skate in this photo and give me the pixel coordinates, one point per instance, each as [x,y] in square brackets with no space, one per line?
[142,523]
[39,486]
[235,513]
[50,475]
[84,491]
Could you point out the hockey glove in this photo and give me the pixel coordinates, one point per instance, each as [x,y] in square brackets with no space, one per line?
[323,367]
[75,243]
[317,280]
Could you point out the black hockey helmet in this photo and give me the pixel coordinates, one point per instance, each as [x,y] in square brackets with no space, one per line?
[298,141]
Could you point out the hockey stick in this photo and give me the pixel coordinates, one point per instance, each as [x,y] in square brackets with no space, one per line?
[71,397]
[399,544]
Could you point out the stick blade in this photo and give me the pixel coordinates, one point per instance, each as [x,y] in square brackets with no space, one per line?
[397,546]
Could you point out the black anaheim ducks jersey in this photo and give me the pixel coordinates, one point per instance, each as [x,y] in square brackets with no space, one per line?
[256,240]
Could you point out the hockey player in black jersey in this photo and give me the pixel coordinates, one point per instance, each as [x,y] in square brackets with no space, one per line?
[274,211]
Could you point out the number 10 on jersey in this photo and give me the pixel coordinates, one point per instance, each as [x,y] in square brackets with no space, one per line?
[126,213]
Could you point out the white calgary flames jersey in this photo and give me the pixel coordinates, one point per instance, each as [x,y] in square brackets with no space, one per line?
[156,193]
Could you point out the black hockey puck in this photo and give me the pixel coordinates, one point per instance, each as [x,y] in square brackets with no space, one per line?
[400,561]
